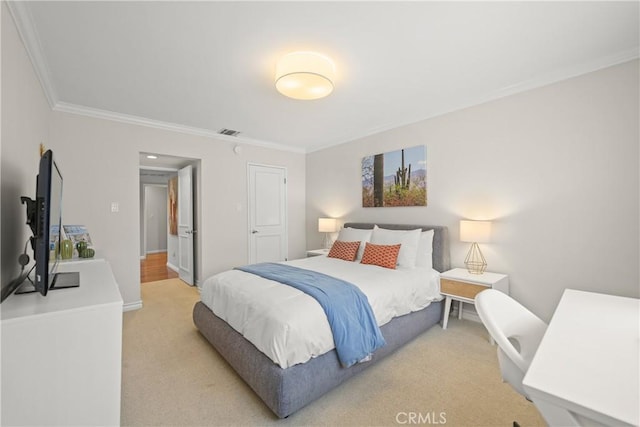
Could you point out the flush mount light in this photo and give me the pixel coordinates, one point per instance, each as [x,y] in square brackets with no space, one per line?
[151,156]
[305,75]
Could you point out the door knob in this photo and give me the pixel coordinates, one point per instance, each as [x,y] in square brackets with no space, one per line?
[254,231]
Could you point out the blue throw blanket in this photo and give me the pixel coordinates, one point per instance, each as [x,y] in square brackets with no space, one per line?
[355,331]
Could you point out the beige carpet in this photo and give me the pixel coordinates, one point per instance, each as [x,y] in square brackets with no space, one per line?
[172,376]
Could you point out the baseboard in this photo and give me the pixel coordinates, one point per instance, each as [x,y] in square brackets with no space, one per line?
[173,267]
[137,305]
[158,251]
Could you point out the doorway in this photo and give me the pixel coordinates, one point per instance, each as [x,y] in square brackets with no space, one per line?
[154,261]
[161,253]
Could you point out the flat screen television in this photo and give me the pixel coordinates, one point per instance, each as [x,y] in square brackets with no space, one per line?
[48,222]
[44,216]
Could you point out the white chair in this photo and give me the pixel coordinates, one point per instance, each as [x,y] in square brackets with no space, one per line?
[516,331]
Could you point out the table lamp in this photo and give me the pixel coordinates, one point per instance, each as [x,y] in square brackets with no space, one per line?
[327,226]
[475,232]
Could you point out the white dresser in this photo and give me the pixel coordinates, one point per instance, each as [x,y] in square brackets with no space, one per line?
[62,354]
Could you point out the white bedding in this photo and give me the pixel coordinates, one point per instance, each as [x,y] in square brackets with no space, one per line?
[289,326]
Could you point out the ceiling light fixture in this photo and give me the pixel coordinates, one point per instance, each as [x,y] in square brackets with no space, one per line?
[151,156]
[305,75]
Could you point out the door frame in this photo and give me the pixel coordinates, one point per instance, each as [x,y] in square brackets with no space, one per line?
[197,207]
[249,208]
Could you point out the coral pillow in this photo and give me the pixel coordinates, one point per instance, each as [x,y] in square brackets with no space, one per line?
[352,234]
[381,255]
[409,239]
[344,250]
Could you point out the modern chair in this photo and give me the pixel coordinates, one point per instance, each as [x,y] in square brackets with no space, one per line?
[516,331]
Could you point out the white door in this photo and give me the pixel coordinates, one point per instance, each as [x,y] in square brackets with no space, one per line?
[267,214]
[185,224]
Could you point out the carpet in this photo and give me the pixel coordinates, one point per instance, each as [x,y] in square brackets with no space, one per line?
[171,376]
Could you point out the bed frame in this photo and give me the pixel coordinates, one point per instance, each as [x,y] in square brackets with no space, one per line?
[285,391]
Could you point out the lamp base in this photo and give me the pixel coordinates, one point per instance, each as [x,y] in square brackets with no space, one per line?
[475,262]
[327,242]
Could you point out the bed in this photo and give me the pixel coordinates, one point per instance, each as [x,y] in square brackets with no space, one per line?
[286,390]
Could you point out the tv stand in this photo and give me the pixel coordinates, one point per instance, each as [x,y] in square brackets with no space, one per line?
[64,352]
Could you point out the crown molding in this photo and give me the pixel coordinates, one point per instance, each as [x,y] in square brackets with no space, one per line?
[24,24]
[567,73]
[538,82]
[173,127]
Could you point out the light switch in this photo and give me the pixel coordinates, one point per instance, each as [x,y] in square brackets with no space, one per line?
[115,207]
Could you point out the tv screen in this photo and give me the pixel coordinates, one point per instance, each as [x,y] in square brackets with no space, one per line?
[44,216]
[49,222]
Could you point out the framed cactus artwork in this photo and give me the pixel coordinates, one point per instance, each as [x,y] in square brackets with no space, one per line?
[396,178]
[172,208]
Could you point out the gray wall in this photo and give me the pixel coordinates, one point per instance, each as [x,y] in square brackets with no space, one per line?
[554,168]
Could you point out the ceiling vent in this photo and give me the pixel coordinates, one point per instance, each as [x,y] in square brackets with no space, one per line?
[229,132]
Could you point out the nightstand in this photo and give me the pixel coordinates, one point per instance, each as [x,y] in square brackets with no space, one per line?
[460,285]
[317,252]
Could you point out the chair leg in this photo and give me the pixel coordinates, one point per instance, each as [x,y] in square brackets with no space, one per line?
[515,424]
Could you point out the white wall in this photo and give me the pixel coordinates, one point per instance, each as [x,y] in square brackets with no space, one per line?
[25,124]
[99,160]
[555,168]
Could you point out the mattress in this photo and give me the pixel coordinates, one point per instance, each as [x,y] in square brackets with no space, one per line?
[289,326]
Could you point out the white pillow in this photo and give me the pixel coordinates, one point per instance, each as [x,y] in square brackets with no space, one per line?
[425,250]
[408,240]
[355,235]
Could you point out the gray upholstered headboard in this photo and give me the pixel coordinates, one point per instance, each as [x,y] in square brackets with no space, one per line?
[441,254]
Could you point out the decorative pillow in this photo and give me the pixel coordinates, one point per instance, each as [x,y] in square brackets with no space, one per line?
[409,240]
[425,250]
[355,234]
[344,250]
[381,255]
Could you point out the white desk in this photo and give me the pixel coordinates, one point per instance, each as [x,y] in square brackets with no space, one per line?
[586,369]
[61,354]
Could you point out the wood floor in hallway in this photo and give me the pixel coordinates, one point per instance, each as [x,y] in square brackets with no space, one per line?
[154,267]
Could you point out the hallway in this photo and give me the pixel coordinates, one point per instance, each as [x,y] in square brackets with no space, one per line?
[154,268]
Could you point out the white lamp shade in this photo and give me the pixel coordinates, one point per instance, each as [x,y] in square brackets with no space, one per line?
[475,231]
[327,225]
[305,75]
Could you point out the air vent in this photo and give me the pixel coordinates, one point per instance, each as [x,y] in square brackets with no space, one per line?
[229,132]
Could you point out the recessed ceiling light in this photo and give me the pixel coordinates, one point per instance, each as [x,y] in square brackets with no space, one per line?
[151,156]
